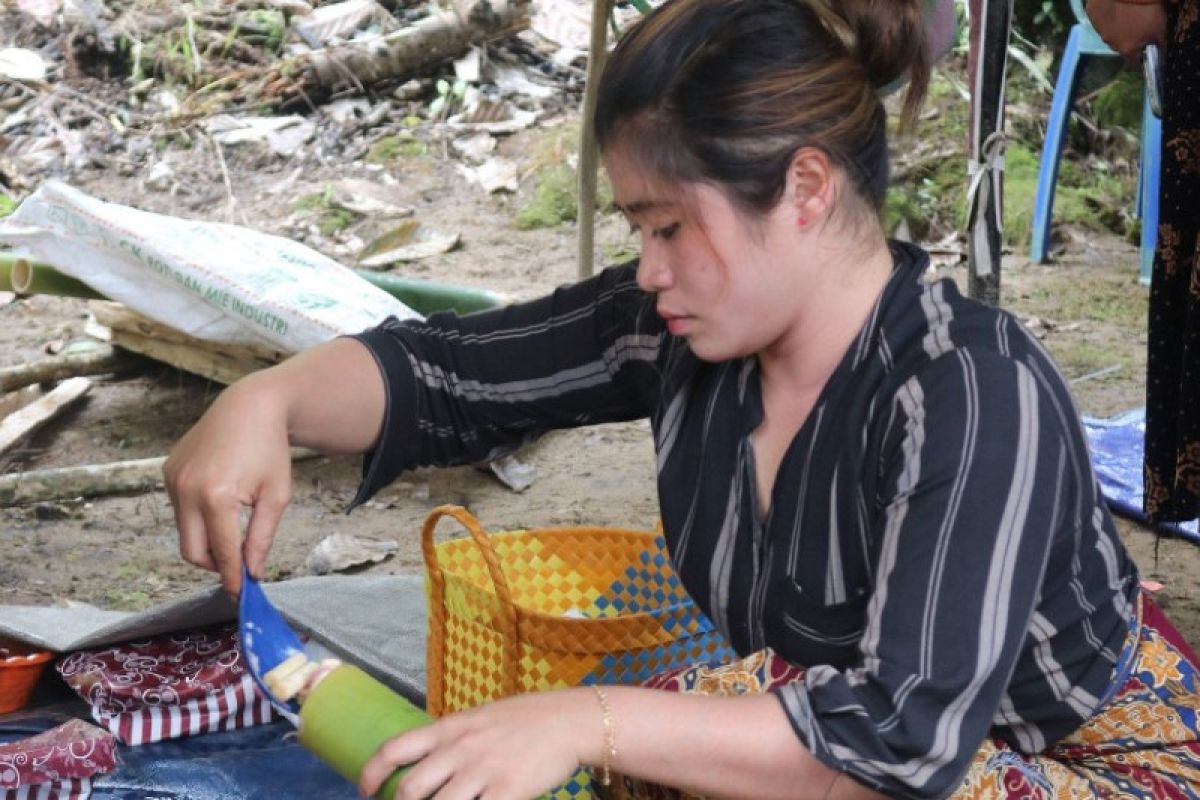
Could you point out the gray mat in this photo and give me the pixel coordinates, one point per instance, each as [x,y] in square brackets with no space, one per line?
[374,621]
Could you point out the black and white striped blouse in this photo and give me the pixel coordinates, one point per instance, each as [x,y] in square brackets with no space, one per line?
[937,553]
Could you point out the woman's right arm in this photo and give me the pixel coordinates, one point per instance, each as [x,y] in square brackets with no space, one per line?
[330,398]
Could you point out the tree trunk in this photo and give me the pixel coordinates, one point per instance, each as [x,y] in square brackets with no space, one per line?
[399,55]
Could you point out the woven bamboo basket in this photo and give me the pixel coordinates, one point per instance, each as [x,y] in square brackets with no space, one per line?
[525,610]
[545,608]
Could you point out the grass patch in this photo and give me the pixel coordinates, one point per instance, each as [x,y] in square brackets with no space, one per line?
[1079,357]
[127,600]
[554,201]
[555,197]
[387,149]
[621,252]
[331,218]
[1092,298]
[7,205]
[1020,191]
[1119,104]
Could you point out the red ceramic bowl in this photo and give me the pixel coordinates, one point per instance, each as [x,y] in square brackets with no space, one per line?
[20,668]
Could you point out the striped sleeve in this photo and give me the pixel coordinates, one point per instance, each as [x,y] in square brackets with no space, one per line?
[468,389]
[974,468]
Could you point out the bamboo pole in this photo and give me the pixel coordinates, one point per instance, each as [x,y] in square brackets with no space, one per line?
[101,360]
[426,297]
[588,156]
[22,423]
[92,480]
[22,276]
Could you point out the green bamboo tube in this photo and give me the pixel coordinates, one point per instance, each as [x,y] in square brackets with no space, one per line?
[348,715]
[22,276]
[426,297]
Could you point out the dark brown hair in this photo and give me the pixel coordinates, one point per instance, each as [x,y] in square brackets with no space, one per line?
[726,91]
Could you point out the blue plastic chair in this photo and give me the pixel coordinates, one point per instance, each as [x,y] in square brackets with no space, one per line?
[1084,43]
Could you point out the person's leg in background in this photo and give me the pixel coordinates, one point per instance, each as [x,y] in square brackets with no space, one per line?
[1172,458]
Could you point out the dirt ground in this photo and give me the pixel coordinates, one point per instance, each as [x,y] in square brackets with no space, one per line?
[121,552]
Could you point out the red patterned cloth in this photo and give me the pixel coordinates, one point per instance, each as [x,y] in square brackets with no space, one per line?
[73,789]
[57,764]
[167,687]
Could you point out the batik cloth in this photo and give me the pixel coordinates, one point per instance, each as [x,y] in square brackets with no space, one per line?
[1143,743]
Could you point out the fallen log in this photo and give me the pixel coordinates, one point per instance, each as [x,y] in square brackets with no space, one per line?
[22,423]
[441,36]
[99,361]
[91,480]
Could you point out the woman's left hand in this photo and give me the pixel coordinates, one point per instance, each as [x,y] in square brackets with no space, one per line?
[513,749]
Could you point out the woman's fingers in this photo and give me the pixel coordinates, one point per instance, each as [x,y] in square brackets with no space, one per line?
[221,509]
[465,787]
[430,776]
[393,754]
[269,506]
[193,542]
[234,459]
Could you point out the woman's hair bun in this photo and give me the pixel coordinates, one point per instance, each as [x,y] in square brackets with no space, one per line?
[888,37]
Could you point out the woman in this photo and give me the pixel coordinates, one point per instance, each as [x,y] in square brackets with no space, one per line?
[878,490]
[1172,452]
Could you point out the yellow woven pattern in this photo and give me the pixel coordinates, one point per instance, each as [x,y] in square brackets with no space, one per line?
[523,611]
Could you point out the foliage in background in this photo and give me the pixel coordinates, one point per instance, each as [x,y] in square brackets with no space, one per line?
[1098,171]
[1043,21]
[7,205]
[555,197]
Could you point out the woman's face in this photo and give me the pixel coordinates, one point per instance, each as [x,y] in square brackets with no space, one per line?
[723,280]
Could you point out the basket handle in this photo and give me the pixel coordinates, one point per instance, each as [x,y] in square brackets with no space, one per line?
[436,654]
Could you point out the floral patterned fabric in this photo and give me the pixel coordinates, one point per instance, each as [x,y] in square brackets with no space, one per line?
[1144,743]
[1172,453]
[72,751]
[168,687]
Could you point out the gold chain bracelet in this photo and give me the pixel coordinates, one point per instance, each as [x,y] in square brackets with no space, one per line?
[610,737]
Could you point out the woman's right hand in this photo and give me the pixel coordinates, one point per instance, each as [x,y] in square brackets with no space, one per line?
[235,458]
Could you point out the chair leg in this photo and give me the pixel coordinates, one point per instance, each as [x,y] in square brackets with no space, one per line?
[1151,165]
[1056,131]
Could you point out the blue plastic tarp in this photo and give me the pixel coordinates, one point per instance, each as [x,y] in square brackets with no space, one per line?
[1116,444]
[260,763]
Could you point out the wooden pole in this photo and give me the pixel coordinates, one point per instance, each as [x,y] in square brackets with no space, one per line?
[15,401]
[588,155]
[98,361]
[91,480]
[22,423]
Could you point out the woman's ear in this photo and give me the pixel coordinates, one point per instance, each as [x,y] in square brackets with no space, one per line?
[809,189]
